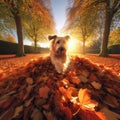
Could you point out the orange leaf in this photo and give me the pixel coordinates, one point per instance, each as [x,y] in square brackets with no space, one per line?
[85,100]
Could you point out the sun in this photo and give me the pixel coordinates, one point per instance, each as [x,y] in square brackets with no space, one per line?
[44,45]
[74,46]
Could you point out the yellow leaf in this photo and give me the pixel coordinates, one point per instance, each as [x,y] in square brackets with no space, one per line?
[85,100]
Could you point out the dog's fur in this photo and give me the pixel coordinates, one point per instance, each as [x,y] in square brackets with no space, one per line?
[58,52]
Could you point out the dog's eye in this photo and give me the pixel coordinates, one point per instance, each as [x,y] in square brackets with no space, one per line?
[58,42]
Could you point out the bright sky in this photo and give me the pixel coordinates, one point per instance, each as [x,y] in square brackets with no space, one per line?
[59,12]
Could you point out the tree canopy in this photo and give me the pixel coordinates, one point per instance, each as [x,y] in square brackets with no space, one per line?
[114,37]
[38,22]
[21,13]
[82,23]
[106,9]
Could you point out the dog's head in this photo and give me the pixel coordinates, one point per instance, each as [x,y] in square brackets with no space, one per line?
[59,45]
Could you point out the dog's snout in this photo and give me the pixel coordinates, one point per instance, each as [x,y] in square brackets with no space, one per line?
[61,48]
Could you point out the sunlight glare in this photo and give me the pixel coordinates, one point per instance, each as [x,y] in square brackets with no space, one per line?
[45,45]
[73,46]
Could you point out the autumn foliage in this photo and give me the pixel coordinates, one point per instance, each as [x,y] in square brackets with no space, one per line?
[84,92]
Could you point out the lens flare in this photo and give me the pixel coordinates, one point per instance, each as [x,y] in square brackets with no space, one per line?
[73,46]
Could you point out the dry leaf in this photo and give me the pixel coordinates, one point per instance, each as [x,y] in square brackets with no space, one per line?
[67,112]
[88,115]
[83,79]
[49,116]
[85,100]
[37,115]
[111,101]
[28,102]
[28,91]
[110,115]
[96,85]
[17,111]
[67,93]
[75,80]
[44,91]
[7,103]
[29,80]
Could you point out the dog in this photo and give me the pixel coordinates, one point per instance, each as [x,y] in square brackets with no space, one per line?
[58,52]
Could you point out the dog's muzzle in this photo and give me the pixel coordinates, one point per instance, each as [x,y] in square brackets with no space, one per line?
[61,51]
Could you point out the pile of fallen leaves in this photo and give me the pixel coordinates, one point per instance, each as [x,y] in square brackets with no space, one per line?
[85,91]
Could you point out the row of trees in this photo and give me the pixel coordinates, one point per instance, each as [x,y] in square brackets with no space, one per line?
[30,18]
[86,20]
[92,19]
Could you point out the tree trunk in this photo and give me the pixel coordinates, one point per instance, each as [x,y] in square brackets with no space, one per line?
[18,23]
[35,45]
[84,46]
[108,20]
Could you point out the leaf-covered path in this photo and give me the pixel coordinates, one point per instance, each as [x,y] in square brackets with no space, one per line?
[112,62]
[84,92]
[9,63]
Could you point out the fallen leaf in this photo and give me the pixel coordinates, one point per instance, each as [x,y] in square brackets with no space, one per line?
[37,115]
[96,85]
[75,80]
[85,100]
[29,80]
[17,111]
[49,116]
[7,103]
[109,114]
[28,102]
[44,91]
[83,79]
[28,91]
[67,112]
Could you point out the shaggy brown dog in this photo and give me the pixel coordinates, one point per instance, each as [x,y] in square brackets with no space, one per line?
[58,52]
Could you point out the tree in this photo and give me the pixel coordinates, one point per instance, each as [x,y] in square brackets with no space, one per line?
[114,37]
[109,8]
[37,25]
[10,38]
[16,10]
[82,22]
[1,37]
[84,30]
[12,9]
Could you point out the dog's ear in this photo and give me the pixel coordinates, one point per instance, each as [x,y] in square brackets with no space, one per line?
[67,37]
[52,37]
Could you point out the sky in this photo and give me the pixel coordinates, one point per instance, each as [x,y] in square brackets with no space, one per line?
[59,15]
[59,12]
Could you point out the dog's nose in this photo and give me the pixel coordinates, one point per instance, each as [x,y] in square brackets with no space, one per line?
[61,48]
